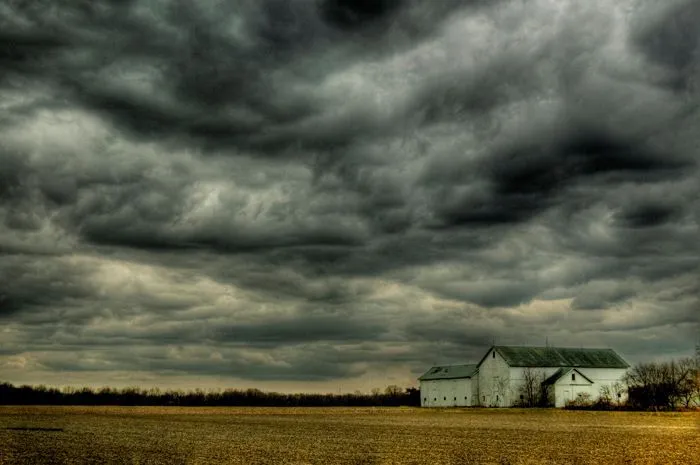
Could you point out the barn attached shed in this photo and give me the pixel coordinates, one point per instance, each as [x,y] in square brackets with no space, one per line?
[449,386]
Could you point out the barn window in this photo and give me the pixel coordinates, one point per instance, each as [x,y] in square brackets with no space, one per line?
[425,399]
[434,399]
[455,398]
[496,397]
[444,398]
[465,397]
[493,354]
[573,376]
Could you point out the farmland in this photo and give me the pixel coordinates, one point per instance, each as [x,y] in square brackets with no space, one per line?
[343,435]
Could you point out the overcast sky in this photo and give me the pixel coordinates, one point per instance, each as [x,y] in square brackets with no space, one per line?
[327,194]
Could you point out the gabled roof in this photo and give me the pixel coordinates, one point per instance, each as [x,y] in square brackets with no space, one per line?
[558,357]
[449,372]
[561,372]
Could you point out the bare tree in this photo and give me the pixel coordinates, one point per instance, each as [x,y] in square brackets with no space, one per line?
[664,384]
[393,390]
[689,385]
[605,395]
[618,390]
[532,391]
[500,388]
[546,396]
[529,388]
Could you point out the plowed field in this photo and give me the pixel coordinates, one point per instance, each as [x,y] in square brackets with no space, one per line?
[172,435]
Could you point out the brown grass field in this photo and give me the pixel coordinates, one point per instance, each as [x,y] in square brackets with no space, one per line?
[173,435]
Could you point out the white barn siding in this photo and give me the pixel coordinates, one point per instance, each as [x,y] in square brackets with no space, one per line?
[446,393]
[494,381]
[566,389]
[603,377]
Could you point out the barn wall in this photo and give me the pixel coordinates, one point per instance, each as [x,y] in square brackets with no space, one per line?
[604,377]
[494,381]
[446,393]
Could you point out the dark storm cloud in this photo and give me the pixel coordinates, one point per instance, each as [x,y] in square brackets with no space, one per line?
[300,329]
[223,74]
[347,14]
[525,179]
[313,189]
[503,293]
[36,286]
[672,40]
[648,215]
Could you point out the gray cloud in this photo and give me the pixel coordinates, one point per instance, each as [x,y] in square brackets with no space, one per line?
[671,40]
[324,189]
[36,287]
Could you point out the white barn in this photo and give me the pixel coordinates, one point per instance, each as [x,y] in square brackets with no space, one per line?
[448,386]
[498,378]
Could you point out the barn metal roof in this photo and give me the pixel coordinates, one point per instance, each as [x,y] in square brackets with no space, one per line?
[559,357]
[449,372]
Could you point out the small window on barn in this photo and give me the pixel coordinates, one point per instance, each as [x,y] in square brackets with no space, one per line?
[425,399]
[434,399]
[444,398]
[573,376]
[493,354]
[455,398]
[465,397]
[496,397]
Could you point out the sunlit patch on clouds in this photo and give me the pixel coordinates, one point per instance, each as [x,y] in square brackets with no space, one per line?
[289,195]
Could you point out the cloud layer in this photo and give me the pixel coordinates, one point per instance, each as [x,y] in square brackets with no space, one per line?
[324,192]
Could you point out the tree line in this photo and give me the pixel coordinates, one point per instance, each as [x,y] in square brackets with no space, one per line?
[664,385]
[646,386]
[392,396]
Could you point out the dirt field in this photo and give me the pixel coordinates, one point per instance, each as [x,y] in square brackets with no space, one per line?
[138,435]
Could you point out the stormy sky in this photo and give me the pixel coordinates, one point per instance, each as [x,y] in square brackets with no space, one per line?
[336,194]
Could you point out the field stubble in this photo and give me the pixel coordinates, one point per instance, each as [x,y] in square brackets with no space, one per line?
[137,435]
